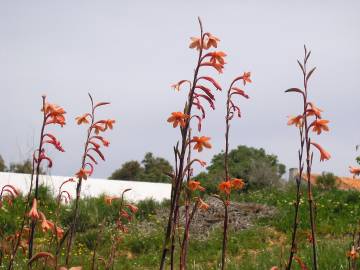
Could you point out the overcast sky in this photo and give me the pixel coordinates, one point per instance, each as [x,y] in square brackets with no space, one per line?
[130,52]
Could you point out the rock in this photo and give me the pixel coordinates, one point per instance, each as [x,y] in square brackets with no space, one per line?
[241,216]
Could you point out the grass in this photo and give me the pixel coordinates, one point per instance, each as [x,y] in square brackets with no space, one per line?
[264,245]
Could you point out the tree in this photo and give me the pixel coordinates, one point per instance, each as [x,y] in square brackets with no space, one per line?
[152,169]
[155,169]
[22,167]
[257,168]
[2,165]
[130,170]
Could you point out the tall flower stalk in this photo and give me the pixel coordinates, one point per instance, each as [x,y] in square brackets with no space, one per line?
[125,215]
[193,201]
[309,120]
[92,146]
[229,183]
[63,196]
[52,114]
[298,179]
[198,93]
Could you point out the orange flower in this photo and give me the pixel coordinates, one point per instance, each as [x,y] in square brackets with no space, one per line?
[323,154]
[82,119]
[109,199]
[353,254]
[320,125]
[82,174]
[237,183]
[178,118]
[33,213]
[56,114]
[133,209]
[109,123]
[225,187]
[177,85]
[200,143]
[314,111]
[47,225]
[57,119]
[53,109]
[246,77]
[212,41]
[219,67]
[217,57]
[202,205]
[98,128]
[125,214]
[195,43]
[274,268]
[105,143]
[354,170]
[295,120]
[195,185]
[59,232]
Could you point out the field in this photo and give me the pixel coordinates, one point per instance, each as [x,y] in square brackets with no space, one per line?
[262,246]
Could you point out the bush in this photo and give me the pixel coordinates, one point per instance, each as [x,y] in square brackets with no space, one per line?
[147,208]
[255,166]
[353,197]
[326,181]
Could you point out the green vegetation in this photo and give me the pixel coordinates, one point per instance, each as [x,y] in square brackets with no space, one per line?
[2,164]
[259,247]
[254,165]
[154,169]
[24,166]
[326,181]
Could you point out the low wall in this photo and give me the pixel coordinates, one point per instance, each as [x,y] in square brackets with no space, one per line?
[92,187]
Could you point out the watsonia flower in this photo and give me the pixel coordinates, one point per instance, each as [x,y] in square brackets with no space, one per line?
[33,213]
[225,187]
[194,185]
[200,142]
[319,125]
[354,170]
[324,155]
[295,120]
[178,118]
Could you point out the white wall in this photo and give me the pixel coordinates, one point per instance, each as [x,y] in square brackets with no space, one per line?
[92,187]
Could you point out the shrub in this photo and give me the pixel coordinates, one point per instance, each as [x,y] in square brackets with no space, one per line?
[326,181]
[146,209]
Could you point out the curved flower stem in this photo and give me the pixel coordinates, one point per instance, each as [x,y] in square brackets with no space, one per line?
[188,217]
[115,243]
[72,229]
[176,188]
[224,243]
[186,236]
[305,142]
[308,167]
[33,222]
[225,227]
[293,248]
[227,176]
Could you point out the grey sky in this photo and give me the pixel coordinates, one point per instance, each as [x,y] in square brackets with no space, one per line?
[130,52]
